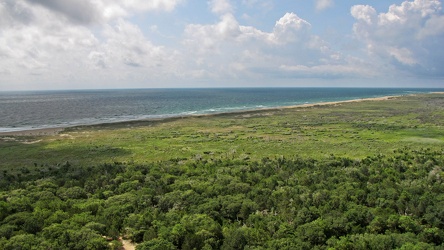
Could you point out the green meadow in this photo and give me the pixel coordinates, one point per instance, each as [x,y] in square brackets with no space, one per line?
[354,130]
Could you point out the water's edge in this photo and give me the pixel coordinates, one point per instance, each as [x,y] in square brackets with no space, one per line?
[206,111]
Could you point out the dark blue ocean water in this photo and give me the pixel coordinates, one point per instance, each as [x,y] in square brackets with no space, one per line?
[43,109]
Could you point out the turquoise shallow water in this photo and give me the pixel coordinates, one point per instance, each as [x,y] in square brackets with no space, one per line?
[43,109]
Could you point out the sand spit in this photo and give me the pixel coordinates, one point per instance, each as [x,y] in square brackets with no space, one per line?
[384,98]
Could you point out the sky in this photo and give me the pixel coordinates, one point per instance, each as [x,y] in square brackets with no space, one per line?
[107,44]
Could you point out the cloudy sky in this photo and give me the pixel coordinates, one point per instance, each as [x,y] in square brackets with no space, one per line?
[84,44]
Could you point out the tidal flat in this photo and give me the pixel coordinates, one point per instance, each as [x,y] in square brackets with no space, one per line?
[355,129]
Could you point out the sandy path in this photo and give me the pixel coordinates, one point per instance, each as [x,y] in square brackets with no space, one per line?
[127,245]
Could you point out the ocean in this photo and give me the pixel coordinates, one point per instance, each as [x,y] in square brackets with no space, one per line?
[27,110]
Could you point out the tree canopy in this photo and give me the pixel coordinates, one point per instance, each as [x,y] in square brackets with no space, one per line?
[391,201]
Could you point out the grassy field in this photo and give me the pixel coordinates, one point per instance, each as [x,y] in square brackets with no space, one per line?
[354,129]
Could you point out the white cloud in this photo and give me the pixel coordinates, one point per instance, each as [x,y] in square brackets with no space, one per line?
[101,42]
[123,8]
[37,42]
[405,36]
[126,55]
[433,27]
[209,38]
[402,55]
[323,4]
[221,6]
[79,11]
[228,49]
[364,13]
[125,44]
[97,11]
[228,26]
[328,71]
[290,28]
[50,42]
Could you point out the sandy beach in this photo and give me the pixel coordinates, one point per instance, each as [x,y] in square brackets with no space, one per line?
[55,131]
[340,102]
[34,132]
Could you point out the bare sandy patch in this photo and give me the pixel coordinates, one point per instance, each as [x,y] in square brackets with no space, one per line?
[31,142]
[127,245]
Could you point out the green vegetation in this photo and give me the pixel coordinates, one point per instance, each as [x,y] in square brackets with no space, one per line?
[363,175]
[354,130]
[378,202]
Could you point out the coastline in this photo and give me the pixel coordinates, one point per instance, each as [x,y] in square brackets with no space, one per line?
[383,98]
[34,132]
[56,130]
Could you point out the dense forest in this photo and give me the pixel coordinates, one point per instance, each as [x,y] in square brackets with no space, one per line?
[386,201]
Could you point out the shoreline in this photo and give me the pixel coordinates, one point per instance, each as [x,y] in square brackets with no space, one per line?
[34,132]
[57,130]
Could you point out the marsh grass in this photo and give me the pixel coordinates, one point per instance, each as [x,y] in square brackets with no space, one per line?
[354,130]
